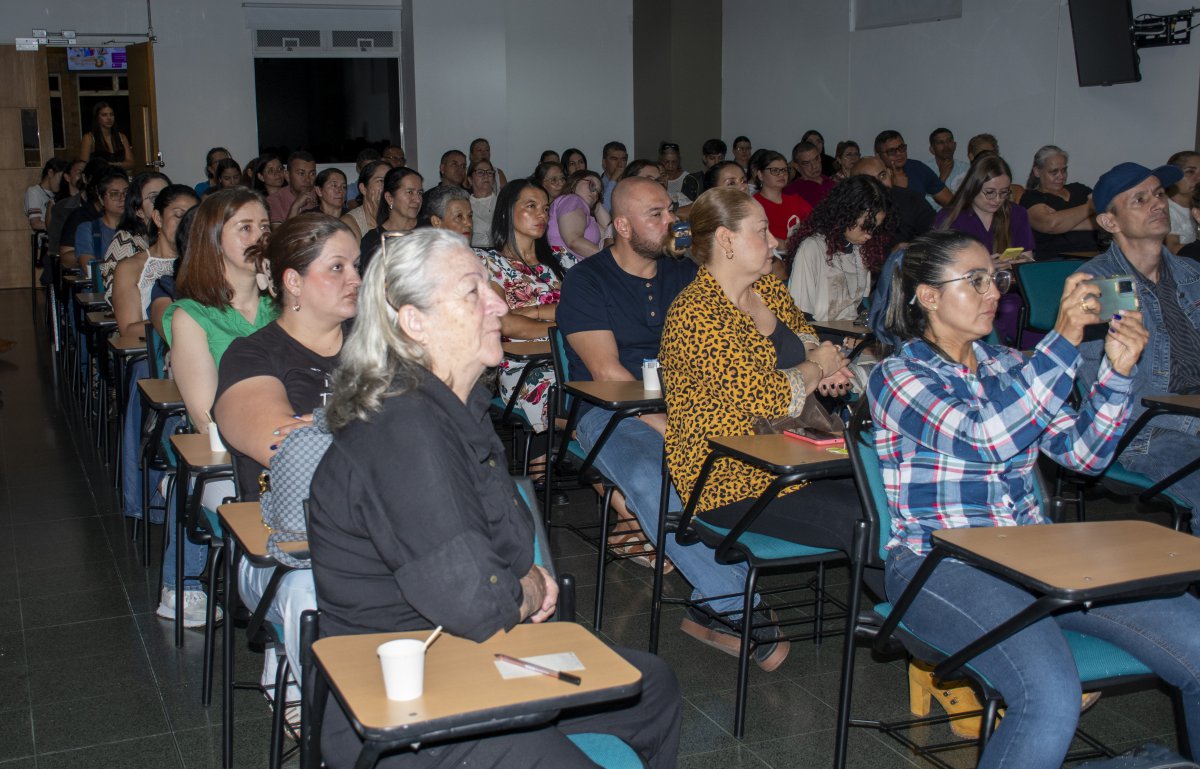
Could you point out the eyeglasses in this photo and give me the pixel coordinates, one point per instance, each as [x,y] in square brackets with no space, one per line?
[776,170]
[669,147]
[486,174]
[981,280]
[116,194]
[899,148]
[1004,194]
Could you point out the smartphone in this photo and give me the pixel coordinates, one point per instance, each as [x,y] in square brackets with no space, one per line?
[1011,253]
[1117,294]
[815,437]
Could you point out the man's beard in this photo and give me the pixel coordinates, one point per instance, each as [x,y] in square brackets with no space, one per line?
[645,247]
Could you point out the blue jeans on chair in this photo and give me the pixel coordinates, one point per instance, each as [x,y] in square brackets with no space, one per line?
[632,459]
[194,556]
[131,452]
[1034,669]
[1169,451]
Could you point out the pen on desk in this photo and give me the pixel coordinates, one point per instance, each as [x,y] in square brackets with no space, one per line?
[533,667]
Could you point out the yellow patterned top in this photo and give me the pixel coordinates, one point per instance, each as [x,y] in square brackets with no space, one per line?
[719,373]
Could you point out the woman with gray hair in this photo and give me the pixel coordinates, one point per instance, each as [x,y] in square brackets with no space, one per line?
[1062,215]
[414,521]
[447,208]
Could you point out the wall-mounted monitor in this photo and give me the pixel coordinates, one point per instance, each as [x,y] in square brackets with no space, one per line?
[1105,53]
[82,59]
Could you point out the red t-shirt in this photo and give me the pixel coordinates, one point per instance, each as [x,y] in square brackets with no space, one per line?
[783,218]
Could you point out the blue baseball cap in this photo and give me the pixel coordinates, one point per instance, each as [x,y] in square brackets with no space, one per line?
[1126,175]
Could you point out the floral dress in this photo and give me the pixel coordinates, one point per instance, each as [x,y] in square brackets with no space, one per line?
[524,286]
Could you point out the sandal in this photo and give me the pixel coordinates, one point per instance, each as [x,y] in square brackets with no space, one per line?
[634,547]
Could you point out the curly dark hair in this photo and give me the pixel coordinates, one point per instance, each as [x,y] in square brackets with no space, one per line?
[840,211]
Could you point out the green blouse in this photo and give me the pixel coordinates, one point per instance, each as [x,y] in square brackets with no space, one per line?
[221,325]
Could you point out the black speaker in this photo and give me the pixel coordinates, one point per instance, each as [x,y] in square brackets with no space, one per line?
[1105,53]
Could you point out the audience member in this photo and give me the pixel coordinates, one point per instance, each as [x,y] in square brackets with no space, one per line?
[734,349]
[909,174]
[550,156]
[330,189]
[105,141]
[133,278]
[726,173]
[614,158]
[481,149]
[394,156]
[481,180]
[809,182]
[713,152]
[1192,250]
[297,196]
[362,219]
[526,274]
[399,207]
[452,169]
[914,215]
[550,177]
[981,143]
[847,155]
[1131,204]
[227,174]
[219,301]
[814,137]
[769,171]
[134,226]
[573,160]
[943,163]
[38,197]
[86,207]
[93,236]
[1179,200]
[270,382]
[210,168]
[447,208]
[835,250]
[646,169]
[1061,214]
[412,508]
[268,174]
[575,219]
[673,173]
[742,151]
[361,161]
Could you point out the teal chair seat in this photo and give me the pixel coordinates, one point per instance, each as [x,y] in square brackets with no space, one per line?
[607,751]
[1118,473]
[763,546]
[214,524]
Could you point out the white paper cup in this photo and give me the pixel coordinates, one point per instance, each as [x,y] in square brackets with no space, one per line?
[403,663]
[650,379]
[214,439]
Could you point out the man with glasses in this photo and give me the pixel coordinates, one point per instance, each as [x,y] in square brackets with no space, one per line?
[1131,204]
[910,174]
[809,182]
[913,215]
[943,163]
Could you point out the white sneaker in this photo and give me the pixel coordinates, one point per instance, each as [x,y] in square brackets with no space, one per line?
[195,607]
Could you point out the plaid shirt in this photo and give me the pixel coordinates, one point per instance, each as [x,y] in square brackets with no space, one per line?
[959,449]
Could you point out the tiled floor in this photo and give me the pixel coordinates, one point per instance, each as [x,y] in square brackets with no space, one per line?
[89,677]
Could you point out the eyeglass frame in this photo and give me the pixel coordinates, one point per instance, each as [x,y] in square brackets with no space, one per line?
[991,279]
[1005,194]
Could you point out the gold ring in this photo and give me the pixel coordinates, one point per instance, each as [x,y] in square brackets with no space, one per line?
[1083,305]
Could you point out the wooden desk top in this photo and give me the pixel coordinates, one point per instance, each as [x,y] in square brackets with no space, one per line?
[91,298]
[842,327]
[617,395]
[1072,560]
[780,454]
[194,449]
[102,318]
[127,345]
[161,393]
[462,684]
[243,520]
[1179,404]
[526,350]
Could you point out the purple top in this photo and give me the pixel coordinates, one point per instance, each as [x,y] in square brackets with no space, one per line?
[564,204]
[813,192]
[969,222]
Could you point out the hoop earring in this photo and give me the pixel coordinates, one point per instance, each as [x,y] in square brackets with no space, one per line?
[729,253]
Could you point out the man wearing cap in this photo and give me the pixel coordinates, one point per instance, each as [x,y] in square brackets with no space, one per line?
[1131,203]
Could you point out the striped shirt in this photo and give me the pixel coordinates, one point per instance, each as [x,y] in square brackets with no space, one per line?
[958,449]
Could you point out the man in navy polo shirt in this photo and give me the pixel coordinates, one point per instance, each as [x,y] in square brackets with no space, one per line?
[913,174]
[611,312]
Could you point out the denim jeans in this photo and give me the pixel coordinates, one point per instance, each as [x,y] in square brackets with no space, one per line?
[131,452]
[632,459]
[296,594]
[1034,669]
[194,556]
[1169,451]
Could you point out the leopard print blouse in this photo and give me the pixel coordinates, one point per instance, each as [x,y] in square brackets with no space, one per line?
[719,373]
